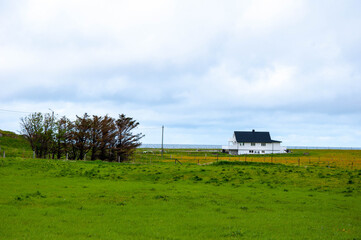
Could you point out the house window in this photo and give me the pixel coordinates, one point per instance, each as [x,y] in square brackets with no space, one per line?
[250,151]
[241,144]
[263,144]
[253,144]
[263,152]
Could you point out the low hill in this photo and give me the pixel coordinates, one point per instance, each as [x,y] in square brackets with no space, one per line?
[14,145]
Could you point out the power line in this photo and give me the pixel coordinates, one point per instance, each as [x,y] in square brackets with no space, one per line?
[6,110]
[149,127]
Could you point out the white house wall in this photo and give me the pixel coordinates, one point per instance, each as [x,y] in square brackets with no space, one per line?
[247,148]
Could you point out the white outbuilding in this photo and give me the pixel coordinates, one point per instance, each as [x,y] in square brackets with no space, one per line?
[253,142]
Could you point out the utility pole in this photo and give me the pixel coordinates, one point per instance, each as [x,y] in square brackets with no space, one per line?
[162,139]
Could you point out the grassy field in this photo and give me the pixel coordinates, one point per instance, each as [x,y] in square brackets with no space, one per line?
[347,159]
[14,145]
[237,199]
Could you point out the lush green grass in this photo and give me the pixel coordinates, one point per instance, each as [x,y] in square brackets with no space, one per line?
[57,199]
[51,199]
[14,145]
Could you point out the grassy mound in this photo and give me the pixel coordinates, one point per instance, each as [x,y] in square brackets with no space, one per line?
[14,145]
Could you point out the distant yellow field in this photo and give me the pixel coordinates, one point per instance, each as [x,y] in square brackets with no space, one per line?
[348,159]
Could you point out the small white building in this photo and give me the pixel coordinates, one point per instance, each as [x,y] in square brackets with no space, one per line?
[252,142]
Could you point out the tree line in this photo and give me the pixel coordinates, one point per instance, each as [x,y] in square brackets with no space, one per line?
[102,137]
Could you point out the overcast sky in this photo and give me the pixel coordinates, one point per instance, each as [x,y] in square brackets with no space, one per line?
[203,69]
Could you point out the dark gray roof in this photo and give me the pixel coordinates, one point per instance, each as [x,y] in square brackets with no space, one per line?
[253,137]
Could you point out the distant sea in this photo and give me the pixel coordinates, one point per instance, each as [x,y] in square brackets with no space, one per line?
[178,146]
[335,148]
[200,146]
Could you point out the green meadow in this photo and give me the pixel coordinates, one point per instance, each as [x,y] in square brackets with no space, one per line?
[59,199]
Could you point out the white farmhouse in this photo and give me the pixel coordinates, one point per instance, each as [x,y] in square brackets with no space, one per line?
[252,142]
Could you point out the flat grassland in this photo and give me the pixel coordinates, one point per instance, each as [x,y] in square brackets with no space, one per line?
[347,159]
[154,198]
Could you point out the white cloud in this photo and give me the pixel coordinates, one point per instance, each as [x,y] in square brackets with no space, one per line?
[260,87]
[263,16]
[191,65]
[101,88]
[79,34]
[75,34]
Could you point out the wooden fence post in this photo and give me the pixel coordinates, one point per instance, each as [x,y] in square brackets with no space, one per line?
[299,161]
[4,155]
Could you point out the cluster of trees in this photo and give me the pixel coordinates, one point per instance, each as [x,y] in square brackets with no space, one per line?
[104,138]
